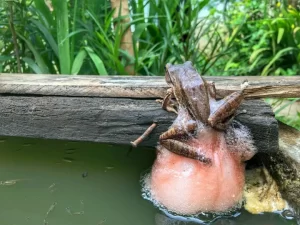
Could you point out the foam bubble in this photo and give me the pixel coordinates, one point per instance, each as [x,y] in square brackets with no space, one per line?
[239,139]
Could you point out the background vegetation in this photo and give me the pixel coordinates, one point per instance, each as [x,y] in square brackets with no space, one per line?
[242,37]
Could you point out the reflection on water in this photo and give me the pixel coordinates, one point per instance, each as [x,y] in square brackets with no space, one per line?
[74,183]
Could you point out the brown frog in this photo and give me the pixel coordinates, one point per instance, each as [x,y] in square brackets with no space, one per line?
[197,107]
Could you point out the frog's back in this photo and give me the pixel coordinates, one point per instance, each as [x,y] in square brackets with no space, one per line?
[197,94]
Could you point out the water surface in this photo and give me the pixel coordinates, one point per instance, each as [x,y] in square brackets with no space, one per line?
[78,183]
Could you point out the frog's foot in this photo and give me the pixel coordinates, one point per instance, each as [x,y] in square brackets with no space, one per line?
[179,131]
[224,124]
[170,107]
[143,136]
[181,148]
[245,84]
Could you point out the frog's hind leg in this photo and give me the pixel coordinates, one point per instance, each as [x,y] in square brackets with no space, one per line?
[226,109]
[186,150]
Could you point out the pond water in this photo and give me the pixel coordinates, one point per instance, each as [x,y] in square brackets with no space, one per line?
[45,182]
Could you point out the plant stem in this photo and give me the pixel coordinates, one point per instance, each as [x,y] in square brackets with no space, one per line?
[14,35]
[73,40]
[61,9]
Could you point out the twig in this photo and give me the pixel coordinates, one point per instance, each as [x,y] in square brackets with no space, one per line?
[143,136]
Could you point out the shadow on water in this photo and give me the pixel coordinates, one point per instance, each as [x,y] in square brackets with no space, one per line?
[75,183]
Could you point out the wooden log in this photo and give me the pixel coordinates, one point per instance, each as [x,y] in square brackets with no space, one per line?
[138,87]
[112,120]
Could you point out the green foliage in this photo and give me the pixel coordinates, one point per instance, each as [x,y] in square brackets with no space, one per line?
[285,111]
[268,39]
[43,43]
[167,32]
[174,32]
[248,38]
[171,31]
[105,41]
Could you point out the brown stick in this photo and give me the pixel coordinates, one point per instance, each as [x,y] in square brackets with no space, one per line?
[143,136]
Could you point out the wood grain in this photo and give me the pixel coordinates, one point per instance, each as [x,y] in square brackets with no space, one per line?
[112,120]
[138,86]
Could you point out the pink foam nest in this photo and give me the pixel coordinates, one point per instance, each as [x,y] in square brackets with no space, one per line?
[187,186]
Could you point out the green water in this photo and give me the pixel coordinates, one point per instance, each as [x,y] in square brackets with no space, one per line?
[71,183]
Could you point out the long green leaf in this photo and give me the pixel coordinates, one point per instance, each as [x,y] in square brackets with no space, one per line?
[32,65]
[47,35]
[139,29]
[38,58]
[72,34]
[97,61]
[280,34]
[78,61]
[257,52]
[255,62]
[286,105]
[44,12]
[275,58]
[62,21]
[5,58]
[73,40]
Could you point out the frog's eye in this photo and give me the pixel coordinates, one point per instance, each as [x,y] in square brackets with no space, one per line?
[189,63]
[167,77]
[167,66]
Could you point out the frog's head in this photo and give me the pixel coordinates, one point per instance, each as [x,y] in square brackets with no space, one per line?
[175,73]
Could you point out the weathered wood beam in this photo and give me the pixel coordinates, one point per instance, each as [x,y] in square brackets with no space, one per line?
[112,120]
[138,87]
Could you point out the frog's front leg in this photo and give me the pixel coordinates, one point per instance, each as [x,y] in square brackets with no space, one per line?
[224,114]
[168,103]
[211,89]
[186,150]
